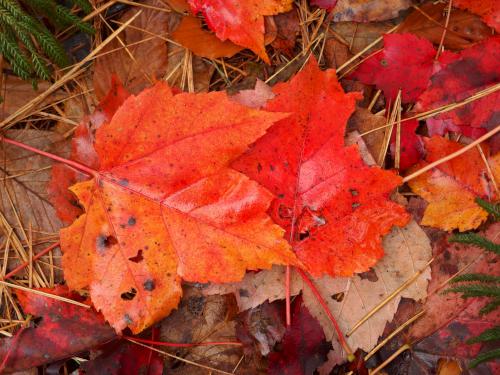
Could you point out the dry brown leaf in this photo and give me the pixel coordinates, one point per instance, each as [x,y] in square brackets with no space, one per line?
[368,10]
[360,35]
[407,250]
[428,21]
[363,121]
[149,58]
[336,53]
[16,93]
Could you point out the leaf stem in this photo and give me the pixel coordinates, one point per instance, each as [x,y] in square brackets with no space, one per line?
[287,297]
[182,345]
[319,297]
[82,168]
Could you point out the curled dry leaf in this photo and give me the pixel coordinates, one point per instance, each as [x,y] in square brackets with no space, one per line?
[334,208]
[451,188]
[242,22]
[429,19]
[64,330]
[288,27]
[143,60]
[407,250]
[154,214]
[367,10]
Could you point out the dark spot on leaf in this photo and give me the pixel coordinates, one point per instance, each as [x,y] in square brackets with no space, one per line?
[338,296]
[104,242]
[354,192]
[355,205]
[196,305]
[138,258]
[370,275]
[130,295]
[384,62]
[259,167]
[272,168]
[303,235]
[131,221]
[244,293]
[149,285]
[123,182]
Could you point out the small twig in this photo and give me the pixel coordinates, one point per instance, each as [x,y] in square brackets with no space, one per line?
[183,345]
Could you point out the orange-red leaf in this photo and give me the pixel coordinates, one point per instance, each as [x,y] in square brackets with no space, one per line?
[242,22]
[452,187]
[334,208]
[164,205]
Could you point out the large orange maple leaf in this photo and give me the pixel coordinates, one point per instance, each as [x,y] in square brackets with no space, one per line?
[242,22]
[334,208]
[165,207]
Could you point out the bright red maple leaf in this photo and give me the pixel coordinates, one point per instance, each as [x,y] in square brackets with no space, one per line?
[334,208]
[164,206]
[304,347]
[64,330]
[472,70]
[242,22]
[406,62]
[82,150]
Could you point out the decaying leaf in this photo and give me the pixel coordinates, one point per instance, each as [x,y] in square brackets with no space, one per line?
[145,57]
[429,19]
[487,9]
[407,250]
[368,10]
[472,70]
[334,208]
[288,27]
[451,187]
[304,347]
[64,330]
[154,214]
[242,22]
[256,97]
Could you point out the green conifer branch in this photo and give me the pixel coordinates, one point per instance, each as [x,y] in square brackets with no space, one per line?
[492,208]
[485,357]
[491,334]
[476,240]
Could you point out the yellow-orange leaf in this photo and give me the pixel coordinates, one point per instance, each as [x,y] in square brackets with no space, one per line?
[451,188]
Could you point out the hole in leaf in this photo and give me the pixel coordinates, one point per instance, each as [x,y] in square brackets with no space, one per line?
[303,235]
[138,258]
[130,295]
[338,296]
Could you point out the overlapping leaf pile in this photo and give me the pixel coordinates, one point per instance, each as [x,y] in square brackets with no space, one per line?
[166,187]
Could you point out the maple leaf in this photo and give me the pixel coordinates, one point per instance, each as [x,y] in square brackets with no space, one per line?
[242,22]
[334,208]
[451,187]
[487,9]
[304,347]
[474,69]
[82,150]
[405,63]
[164,205]
[64,330]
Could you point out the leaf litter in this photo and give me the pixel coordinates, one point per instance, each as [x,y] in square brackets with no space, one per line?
[297,115]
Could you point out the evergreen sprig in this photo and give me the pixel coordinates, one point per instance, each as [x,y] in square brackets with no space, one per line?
[24,39]
[481,285]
